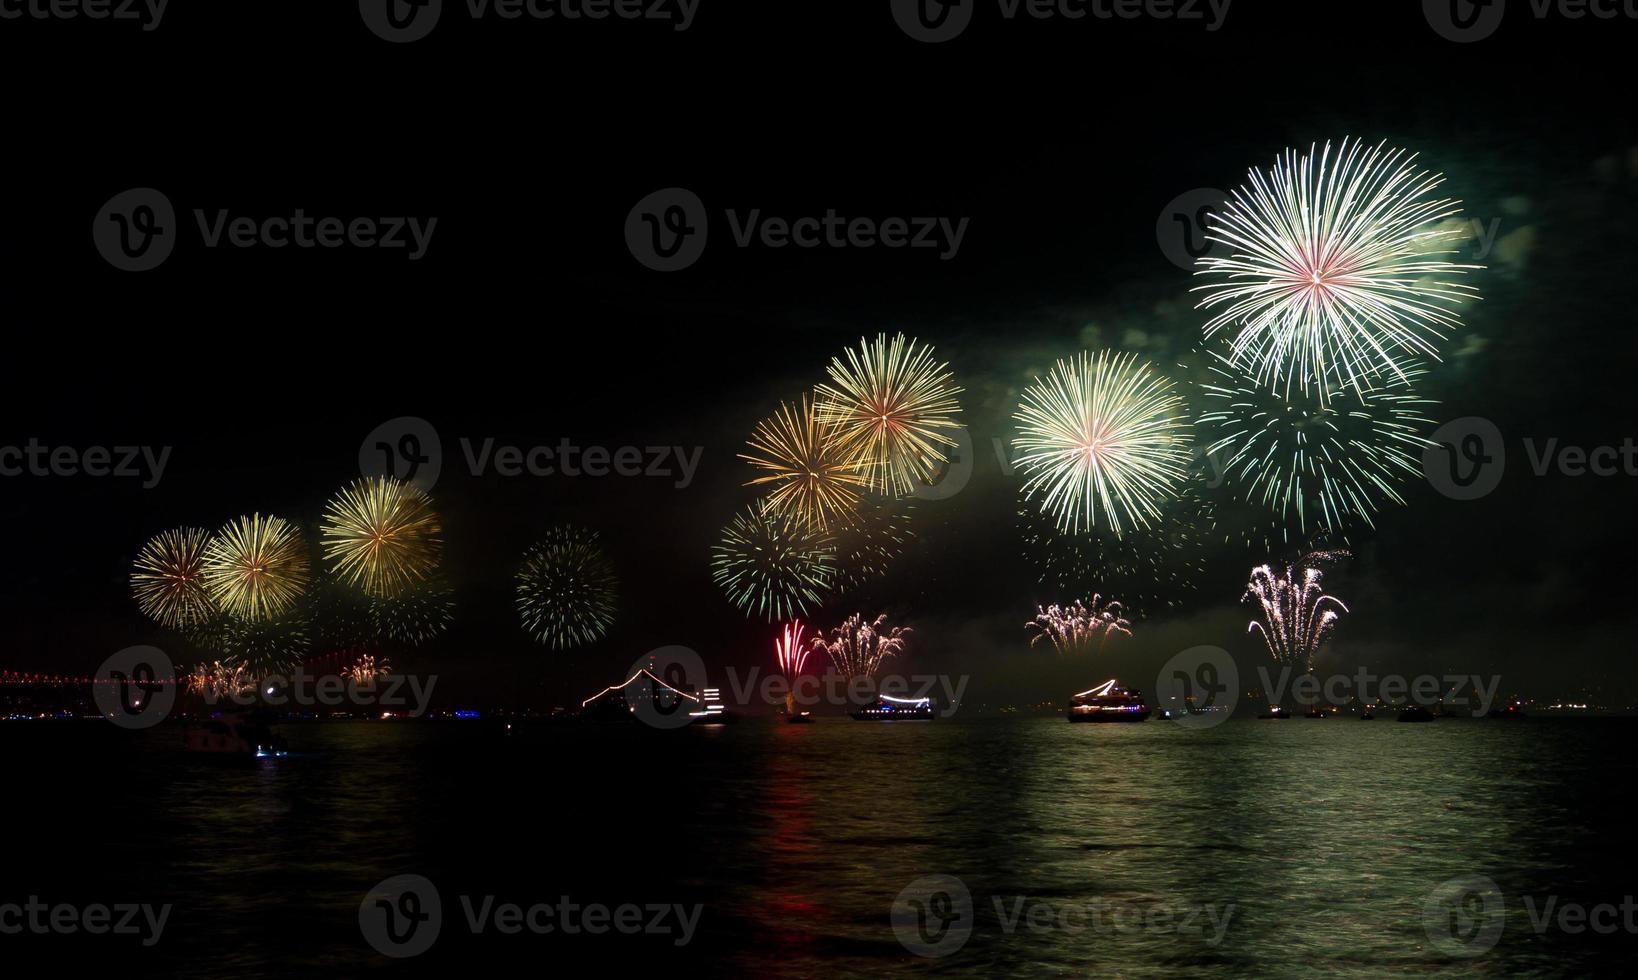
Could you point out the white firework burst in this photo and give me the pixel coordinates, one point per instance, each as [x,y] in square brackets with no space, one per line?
[1338,268]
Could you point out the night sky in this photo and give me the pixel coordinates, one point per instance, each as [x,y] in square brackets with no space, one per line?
[529,321]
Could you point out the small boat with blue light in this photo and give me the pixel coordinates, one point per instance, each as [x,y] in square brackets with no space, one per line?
[1108,702]
[895,709]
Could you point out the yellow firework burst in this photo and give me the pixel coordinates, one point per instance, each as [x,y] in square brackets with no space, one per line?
[256,567]
[169,579]
[895,408]
[813,477]
[381,535]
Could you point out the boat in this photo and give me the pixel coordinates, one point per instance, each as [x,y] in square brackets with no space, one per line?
[1514,709]
[895,709]
[1415,712]
[1367,715]
[1316,712]
[1108,702]
[800,718]
[1274,711]
[233,735]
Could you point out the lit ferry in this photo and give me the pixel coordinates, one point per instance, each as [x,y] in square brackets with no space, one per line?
[1108,702]
[895,709]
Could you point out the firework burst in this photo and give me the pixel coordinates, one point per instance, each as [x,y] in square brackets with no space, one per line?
[894,406]
[366,670]
[169,579]
[789,653]
[811,475]
[567,589]
[219,680]
[770,565]
[858,646]
[1103,441]
[1337,271]
[1318,463]
[1080,627]
[1296,616]
[869,540]
[382,536]
[415,617]
[256,567]
[1154,567]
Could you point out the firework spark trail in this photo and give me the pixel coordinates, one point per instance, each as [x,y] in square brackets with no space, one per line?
[1107,434]
[894,406]
[1336,272]
[789,653]
[1324,462]
[1297,615]
[169,578]
[367,669]
[869,540]
[814,477]
[256,567]
[382,535]
[768,564]
[1079,627]
[857,648]
[566,589]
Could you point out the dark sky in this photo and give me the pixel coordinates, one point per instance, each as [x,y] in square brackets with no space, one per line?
[529,321]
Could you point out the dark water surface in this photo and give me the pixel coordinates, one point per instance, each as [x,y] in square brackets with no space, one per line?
[1317,843]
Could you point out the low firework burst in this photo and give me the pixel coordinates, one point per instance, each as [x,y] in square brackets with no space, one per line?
[1338,268]
[1103,442]
[789,653]
[256,567]
[770,565]
[1318,463]
[895,407]
[261,647]
[567,589]
[382,536]
[366,670]
[811,475]
[1296,616]
[218,680]
[858,647]
[169,579]
[1080,627]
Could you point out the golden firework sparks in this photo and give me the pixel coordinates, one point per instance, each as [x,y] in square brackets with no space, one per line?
[895,408]
[256,567]
[813,477]
[169,579]
[382,536]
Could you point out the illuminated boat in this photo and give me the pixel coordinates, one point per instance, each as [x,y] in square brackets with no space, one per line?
[1274,711]
[895,709]
[233,735]
[800,718]
[1108,702]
